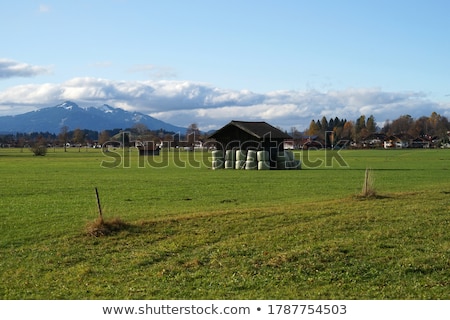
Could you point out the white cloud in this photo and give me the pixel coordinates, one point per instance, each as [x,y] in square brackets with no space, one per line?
[43,8]
[11,69]
[30,94]
[184,102]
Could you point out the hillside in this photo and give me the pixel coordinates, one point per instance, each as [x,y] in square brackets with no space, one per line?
[69,114]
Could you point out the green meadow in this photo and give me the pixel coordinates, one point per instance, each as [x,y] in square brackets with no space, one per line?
[189,232]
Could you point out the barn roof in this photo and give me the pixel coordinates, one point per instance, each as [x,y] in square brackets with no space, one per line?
[256,129]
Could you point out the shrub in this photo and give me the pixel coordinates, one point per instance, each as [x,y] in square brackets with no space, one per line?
[39,150]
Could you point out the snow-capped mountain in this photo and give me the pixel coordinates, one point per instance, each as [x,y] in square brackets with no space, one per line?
[69,114]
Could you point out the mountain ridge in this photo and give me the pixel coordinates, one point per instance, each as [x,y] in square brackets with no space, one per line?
[70,114]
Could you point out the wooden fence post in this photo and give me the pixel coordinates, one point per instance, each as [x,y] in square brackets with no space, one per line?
[100,214]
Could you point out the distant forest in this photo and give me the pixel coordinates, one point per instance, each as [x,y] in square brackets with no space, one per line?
[433,127]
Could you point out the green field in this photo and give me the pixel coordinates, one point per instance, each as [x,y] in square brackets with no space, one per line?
[190,232]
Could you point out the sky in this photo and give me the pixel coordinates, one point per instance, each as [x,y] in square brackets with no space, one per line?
[286,62]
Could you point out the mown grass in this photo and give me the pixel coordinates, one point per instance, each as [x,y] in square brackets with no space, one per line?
[196,233]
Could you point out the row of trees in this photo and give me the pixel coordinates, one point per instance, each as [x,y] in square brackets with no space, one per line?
[83,137]
[435,126]
[331,131]
[66,136]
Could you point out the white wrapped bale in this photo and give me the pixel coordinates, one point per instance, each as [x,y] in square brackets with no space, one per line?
[230,155]
[229,164]
[251,165]
[251,155]
[263,165]
[241,155]
[262,156]
[217,164]
[217,154]
[239,164]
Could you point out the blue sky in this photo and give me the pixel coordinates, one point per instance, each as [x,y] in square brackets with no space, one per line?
[209,62]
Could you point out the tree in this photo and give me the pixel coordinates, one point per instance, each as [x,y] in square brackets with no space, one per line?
[103,137]
[347,131]
[140,130]
[360,123]
[313,129]
[387,128]
[371,125]
[420,127]
[294,132]
[78,136]
[359,129]
[402,125]
[338,133]
[64,136]
[438,125]
[324,124]
[192,133]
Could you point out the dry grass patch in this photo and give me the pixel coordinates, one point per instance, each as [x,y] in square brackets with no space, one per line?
[101,227]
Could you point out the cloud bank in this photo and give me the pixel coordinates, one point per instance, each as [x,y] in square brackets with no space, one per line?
[184,102]
[11,69]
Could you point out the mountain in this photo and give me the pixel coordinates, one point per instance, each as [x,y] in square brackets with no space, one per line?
[69,114]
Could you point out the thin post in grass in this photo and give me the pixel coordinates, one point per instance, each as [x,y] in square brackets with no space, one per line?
[100,214]
[368,189]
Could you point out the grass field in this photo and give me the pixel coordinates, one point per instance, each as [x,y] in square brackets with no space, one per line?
[194,233]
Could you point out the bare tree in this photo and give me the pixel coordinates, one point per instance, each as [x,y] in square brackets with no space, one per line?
[192,133]
[64,135]
[103,137]
[78,136]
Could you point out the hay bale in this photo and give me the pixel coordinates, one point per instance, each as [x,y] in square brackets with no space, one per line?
[262,156]
[229,164]
[263,165]
[251,155]
[217,164]
[239,164]
[251,165]
[217,154]
[241,155]
[230,155]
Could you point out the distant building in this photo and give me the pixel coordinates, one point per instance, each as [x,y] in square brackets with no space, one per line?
[399,141]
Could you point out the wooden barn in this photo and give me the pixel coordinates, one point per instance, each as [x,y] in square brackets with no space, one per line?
[246,135]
